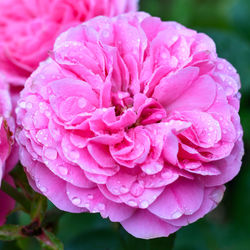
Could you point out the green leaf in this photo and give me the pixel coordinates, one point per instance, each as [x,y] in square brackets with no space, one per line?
[49,241]
[38,207]
[28,243]
[160,8]
[16,195]
[132,243]
[10,232]
[203,13]
[162,243]
[241,17]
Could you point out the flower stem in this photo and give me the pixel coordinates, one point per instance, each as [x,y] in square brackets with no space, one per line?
[16,195]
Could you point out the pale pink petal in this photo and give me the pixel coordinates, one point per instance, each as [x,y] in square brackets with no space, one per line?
[145,225]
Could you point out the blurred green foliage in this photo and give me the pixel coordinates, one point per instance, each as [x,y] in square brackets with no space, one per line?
[228,227]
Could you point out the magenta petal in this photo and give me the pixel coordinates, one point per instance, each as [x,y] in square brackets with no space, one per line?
[183,79]
[143,224]
[7,203]
[54,188]
[101,154]
[212,196]
[181,197]
[120,183]
[229,167]
[171,148]
[119,212]
[130,117]
[200,95]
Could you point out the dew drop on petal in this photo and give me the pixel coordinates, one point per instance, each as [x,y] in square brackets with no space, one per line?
[90,196]
[132,203]
[43,189]
[164,56]
[74,155]
[82,103]
[220,66]
[105,33]
[47,113]
[76,201]
[86,205]
[166,174]
[22,105]
[124,189]
[63,170]
[101,207]
[217,196]
[137,189]
[50,153]
[176,215]
[144,204]
[29,105]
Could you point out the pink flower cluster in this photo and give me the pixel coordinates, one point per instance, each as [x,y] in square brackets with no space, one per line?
[6,141]
[28,29]
[134,118]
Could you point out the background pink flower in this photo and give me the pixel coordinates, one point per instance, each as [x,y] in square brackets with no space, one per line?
[7,161]
[134,118]
[28,29]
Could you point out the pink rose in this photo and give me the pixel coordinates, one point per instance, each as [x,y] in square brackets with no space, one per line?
[28,29]
[6,162]
[134,118]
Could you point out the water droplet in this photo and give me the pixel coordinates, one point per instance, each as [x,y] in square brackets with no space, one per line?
[217,196]
[144,204]
[174,38]
[63,170]
[22,105]
[176,215]
[74,155]
[137,189]
[29,105]
[82,103]
[76,201]
[42,107]
[105,33]
[220,66]
[43,189]
[50,153]
[159,116]
[47,113]
[86,205]
[101,206]
[115,190]
[90,196]
[34,155]
[124,189]
[132,203]
[230,68]
[166,174]
[164,55]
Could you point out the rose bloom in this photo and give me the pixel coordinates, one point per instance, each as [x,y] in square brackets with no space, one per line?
[6,162]
[28,29]
[134,118]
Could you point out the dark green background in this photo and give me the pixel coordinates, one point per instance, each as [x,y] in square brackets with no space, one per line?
[228,227]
